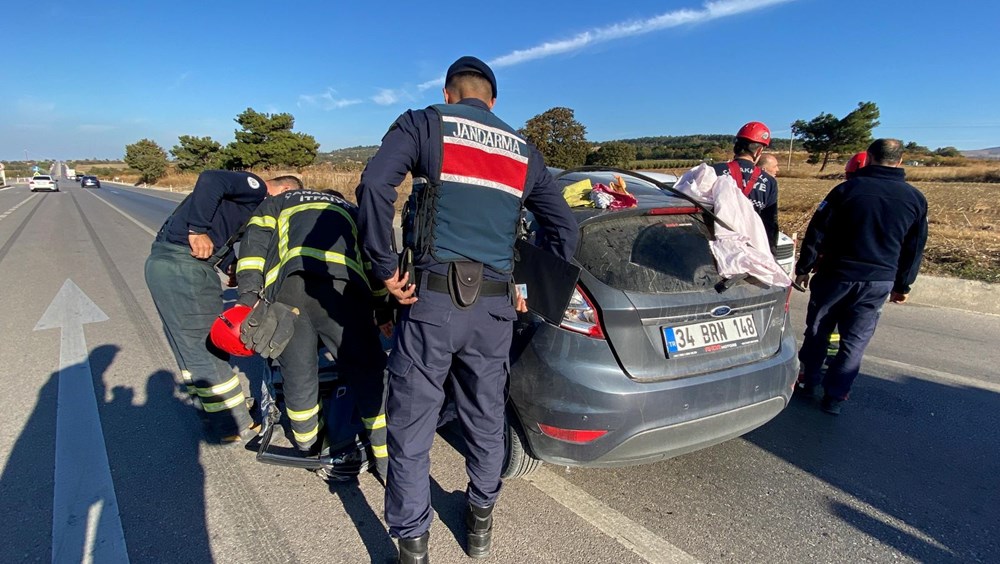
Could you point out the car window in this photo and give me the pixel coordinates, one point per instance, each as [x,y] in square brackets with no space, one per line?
[650,254]
[40,177]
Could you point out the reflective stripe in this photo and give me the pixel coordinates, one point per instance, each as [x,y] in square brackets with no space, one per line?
[222,405]
[263,221]
[372,423]
[319,254]
[186,375]
[303,415]
[380,451]
[219,389]
[250,263]
[305,437]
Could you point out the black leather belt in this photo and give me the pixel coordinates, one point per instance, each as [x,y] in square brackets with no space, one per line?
[439,283]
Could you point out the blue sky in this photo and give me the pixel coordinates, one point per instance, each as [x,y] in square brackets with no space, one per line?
[83,79]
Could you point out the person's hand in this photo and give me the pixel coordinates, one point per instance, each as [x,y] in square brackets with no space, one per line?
[201,245]
[386,329]
[401,289]
[520,304]
[802,280]
[897,298]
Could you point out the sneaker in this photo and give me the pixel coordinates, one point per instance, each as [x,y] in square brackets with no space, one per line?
[831,405]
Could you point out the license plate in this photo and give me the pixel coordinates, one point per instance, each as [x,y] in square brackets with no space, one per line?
[710,336]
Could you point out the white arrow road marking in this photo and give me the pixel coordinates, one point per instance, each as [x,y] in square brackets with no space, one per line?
[86,526]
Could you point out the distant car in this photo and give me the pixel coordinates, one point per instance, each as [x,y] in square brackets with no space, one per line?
[43,182]
[90,182]
[656,355]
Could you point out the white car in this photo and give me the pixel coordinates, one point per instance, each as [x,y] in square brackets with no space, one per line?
[43,182]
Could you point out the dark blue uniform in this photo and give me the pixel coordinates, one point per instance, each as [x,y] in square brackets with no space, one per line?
[763,194]
[871,232]
[435,336]
[187,291]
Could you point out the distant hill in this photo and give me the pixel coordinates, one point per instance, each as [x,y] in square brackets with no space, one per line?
[349,155]
[991,153]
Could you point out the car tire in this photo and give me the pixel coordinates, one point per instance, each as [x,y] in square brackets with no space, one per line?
[518,460]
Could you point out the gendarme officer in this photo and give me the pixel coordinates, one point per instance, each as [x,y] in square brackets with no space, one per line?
[480,174]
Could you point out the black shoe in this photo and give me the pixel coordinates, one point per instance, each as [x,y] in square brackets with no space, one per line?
[479,531]
[414,551]
[805,391]
[831,405]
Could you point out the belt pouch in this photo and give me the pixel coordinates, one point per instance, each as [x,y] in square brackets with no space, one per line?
[465,279]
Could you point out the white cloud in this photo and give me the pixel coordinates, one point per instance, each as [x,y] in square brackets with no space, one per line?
[326,100]
[386,97]
[180,80]
[29,105]
[709,11]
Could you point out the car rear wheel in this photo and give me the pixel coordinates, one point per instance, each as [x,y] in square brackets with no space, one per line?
[518,460]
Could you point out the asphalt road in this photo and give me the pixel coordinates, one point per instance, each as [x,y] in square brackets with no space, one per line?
[908,473]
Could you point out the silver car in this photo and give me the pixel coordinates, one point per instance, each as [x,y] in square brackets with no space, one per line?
[657,355]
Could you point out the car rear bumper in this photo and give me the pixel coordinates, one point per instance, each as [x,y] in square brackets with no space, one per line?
[571,382]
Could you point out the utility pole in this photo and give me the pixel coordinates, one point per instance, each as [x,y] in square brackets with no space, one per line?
[791,141]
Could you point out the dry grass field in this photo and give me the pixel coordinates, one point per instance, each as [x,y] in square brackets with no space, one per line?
[964,217]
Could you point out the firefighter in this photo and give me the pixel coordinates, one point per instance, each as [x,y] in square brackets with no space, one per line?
[182,278]
[461,303]
[301,250]
[756,184]
[871,231]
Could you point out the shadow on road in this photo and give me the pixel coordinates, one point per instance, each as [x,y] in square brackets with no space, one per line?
[158,479]
[376,539]
[923,454]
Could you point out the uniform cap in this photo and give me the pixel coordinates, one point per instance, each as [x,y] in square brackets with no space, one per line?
[472,64]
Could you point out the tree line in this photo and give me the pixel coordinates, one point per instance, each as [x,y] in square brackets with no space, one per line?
[263,141]
[267,141]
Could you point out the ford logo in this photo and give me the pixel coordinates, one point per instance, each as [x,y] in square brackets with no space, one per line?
[721,311]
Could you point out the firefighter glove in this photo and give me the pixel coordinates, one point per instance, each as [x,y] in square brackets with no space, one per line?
[269,328]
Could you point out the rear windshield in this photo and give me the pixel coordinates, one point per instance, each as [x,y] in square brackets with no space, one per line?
[43,177]
[649,254]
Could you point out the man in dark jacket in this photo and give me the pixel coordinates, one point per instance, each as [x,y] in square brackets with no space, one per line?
[182,277]
[871,232]
[461,303]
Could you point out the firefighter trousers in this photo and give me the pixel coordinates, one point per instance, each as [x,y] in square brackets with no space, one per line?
[340,315]
[188,296]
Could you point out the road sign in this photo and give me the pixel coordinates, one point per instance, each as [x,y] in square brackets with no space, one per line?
[35,168]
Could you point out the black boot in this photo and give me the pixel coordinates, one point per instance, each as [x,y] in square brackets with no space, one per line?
[414,551]
[479,531]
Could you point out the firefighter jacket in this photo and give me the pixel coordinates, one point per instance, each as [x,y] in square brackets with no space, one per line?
[303,231]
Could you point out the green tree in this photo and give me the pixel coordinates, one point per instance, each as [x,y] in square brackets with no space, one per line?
[267,141]
[148,158]
[914,149]
[826,135]
[613,153]
[948,152]
[559,137]
[197,153]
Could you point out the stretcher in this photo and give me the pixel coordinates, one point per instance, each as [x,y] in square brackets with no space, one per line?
[343,453]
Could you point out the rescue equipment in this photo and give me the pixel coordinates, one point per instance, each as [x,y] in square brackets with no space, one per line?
[225,332]
[755,131]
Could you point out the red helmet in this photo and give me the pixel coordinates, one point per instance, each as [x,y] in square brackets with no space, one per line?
[856,162]
[755,131]
[225,332]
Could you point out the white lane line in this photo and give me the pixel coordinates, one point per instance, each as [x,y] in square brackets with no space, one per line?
[946,376]
[628,533]
[86,526]
[127,216]
[127,186]
[21,203]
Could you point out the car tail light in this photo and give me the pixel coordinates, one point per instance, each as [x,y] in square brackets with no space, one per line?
[581,316]
[576,436]
[673,211]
